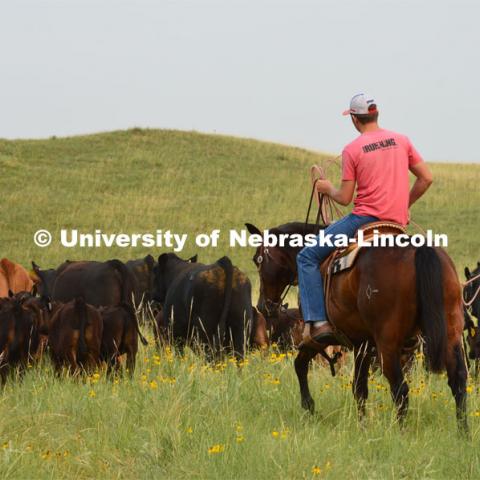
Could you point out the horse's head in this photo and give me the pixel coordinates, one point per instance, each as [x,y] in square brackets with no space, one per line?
[277,270]
[472,290]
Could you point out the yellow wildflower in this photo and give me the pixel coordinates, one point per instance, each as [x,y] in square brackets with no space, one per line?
[92,394]
[46,455]
[214,449]
[316,470]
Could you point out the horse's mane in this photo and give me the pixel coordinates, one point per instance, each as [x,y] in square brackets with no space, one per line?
[296,227]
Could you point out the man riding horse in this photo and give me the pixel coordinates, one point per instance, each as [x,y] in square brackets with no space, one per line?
[377,163]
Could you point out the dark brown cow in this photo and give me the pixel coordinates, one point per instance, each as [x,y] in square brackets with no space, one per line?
[43,309]
[99,283]
[75,336]
[142,272]
[19,336]
[120,336]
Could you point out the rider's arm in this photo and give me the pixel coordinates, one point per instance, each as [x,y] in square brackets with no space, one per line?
[422,183]
[342,195]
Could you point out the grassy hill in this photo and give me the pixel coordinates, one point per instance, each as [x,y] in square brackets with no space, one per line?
[179,417]
[142,180]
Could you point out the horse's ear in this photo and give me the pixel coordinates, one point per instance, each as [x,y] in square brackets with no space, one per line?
[467,273]
[193,259]
[150,261]
[162,260]
[253,229]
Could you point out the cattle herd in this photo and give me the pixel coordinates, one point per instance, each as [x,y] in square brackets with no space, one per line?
[85,313]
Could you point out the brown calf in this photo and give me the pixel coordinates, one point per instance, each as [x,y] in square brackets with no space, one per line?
[286,330]
[19,336]
[75,336]
[120,336]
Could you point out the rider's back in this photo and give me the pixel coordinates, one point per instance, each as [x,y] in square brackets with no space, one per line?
[379,162]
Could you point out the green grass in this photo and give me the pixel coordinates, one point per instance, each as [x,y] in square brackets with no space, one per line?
[141,180]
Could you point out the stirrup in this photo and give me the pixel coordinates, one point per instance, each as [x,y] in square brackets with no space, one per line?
[322,341]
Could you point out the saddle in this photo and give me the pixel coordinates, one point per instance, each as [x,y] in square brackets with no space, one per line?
[344,259]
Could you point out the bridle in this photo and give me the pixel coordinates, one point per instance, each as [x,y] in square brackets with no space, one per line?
[263,257]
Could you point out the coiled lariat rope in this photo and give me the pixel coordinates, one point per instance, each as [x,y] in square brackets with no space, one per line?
[327,208]
[475,295]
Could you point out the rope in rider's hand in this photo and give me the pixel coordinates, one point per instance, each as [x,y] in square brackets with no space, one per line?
[328,209]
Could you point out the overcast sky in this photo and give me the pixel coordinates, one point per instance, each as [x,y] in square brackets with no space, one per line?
[280,70]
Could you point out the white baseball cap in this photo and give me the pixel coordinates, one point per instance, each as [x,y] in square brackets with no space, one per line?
[361,104]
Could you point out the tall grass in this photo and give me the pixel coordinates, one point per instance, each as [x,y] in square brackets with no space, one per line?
[181,417]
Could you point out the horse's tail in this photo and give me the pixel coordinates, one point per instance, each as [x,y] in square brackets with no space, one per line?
[430,306]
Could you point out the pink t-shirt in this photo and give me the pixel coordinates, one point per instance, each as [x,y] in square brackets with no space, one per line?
[379,162]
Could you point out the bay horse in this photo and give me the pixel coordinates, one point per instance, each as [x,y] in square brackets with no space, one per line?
[390,296]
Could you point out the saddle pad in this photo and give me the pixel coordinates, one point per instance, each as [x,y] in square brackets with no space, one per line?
[345,259]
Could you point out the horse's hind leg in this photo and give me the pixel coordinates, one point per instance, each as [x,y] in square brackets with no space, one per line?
[363,360]
[457,381]
[392,369]
[302,362]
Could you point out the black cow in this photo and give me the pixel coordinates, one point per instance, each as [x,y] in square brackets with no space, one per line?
[472,290]
[98,283]
[142,272]
[209,303]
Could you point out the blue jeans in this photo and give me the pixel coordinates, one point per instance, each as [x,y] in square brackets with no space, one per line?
[308,264]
